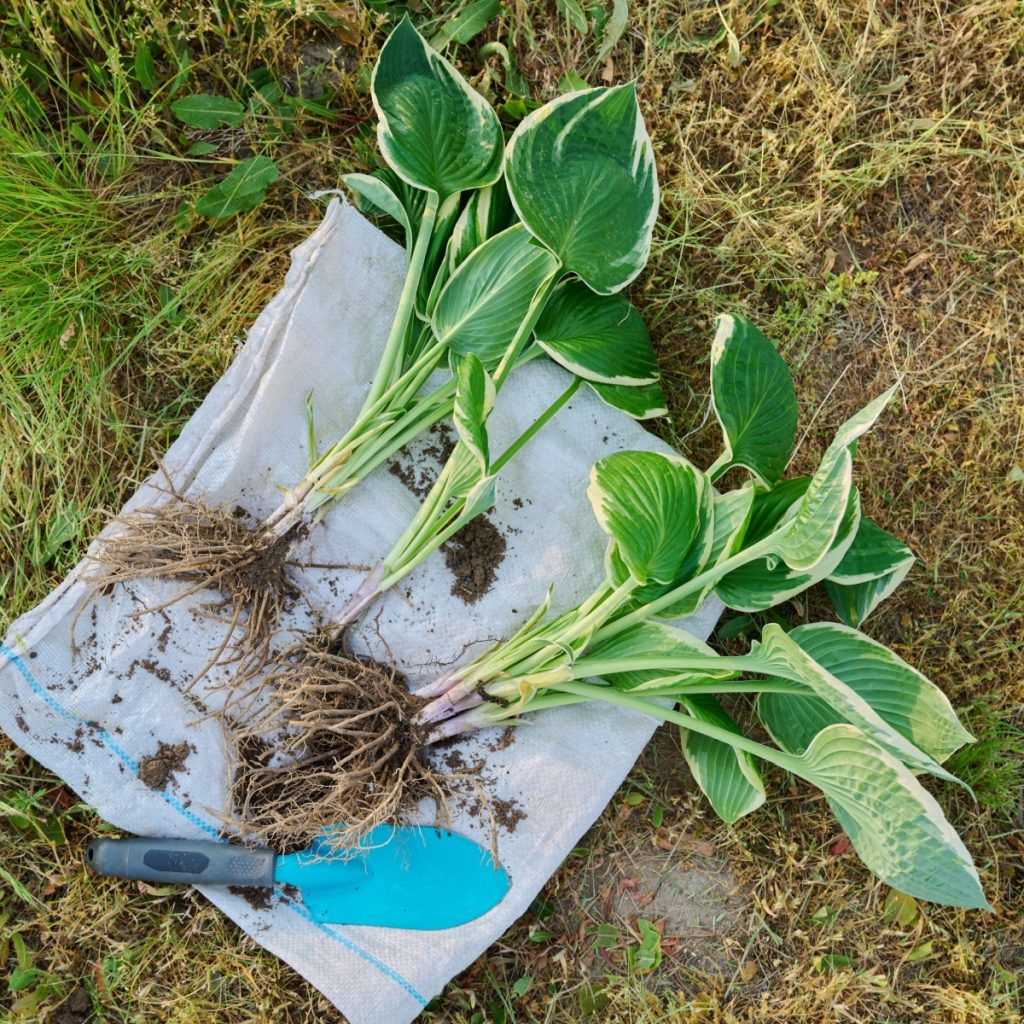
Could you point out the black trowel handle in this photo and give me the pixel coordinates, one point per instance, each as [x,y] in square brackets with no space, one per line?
[181,860]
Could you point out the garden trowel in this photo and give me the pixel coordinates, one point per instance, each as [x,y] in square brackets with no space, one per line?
[398,877]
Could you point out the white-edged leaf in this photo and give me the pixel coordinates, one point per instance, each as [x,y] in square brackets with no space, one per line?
[811,532]
[894,823]
[902,696]
[380,197]
[753,397]
[732,512]
[488,212]
[647,656]
[580,171]
[642,402]
[873,567]
[486,300]
[729,777]
[598,337]
[435,130]
[474,400]
[763,582]
[647,503]
[783,655]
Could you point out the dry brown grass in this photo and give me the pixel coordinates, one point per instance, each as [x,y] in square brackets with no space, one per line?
[855,186]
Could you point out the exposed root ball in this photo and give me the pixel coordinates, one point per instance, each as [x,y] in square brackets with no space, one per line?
[208,548]
[349,757]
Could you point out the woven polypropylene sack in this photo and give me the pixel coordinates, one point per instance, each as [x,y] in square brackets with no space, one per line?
[91,714]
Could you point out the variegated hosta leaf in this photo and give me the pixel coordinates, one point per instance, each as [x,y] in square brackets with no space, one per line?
[780,653]
[374,195]
[729,777]
[647,504]
[642,402]
[902,697]
[894,823]
[753,398]
[474,400]
[811,533]
[435,131]
[488,213]
[580,171]
[697,560]
[873,567]
[647,656]
[725,520]
[598,337]
[732,513]
[487,299]
[766,582]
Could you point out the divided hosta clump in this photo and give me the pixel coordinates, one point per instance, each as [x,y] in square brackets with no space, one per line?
[477,283]
[545,286]
[843,712]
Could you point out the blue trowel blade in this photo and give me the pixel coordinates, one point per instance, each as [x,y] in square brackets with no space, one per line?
[422,878]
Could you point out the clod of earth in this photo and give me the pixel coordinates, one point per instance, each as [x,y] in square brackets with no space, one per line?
[157,770]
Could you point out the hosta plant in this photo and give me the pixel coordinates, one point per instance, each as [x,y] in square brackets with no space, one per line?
[480,270]
[843,712]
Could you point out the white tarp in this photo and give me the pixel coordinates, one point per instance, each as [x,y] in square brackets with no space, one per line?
[93,716]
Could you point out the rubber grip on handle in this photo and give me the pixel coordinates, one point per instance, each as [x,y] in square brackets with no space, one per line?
[181,860]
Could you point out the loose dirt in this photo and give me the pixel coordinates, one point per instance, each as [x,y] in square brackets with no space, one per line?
[473,556]
[158,769]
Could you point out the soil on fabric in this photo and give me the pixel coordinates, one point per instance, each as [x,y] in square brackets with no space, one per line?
[259,897]
[158,769]
[473,556]
[419,470]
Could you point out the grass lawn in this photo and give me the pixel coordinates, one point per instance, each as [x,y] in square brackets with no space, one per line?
[848,174]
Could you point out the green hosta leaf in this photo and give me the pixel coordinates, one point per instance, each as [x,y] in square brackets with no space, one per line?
[581,174]
[487,299]
[729,777]
[764,582]
[435,131]
[873,567]
[208,112]
[901,696]
[644,402]
[474,400]
[698,558]
[598,337]
[647,504]
[894,823]
[488,212]
[783,654]
[480,498]
[377,195]
[731,515]
[646,657]
[243,189]
[811,533]
[753,398]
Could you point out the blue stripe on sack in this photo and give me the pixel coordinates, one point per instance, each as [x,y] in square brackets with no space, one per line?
[358,950]
[133,765]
